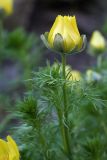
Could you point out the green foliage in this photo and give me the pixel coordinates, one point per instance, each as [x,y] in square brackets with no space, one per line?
[20,53]
[45,125]
[42,117]
[19,45]
[22,50]
[5,107]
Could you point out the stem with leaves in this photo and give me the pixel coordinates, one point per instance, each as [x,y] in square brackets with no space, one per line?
[66,136]
[99,61]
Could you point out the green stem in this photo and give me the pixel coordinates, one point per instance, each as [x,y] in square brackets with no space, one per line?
[1,30]
[43,143]
[66,130]
[99,61]
[60,117]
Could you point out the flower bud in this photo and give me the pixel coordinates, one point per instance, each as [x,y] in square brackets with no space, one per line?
[7,6]
[97,43]
[92,76]
[72,75]
[64,36]
[75,75]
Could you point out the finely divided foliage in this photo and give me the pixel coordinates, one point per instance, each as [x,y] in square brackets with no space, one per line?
[42,114]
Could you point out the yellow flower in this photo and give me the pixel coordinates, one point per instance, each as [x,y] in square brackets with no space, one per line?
[97,42]
[64,35]
[92,76]
[7,6]
[9,149]
[75,75]
[71,75]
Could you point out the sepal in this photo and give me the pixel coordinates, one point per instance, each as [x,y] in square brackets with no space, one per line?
[58,44]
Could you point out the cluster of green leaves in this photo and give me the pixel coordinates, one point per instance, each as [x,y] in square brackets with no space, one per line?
[41,115]
[23,51]
[20,53]
[6,104]
[20,47]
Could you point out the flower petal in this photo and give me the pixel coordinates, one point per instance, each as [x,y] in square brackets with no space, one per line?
[57,27]
[71,30]
[4,155]
[13,149]
[74,24]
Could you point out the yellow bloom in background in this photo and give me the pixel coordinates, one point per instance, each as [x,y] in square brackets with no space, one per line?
[97,42]
[7,6]
[9,149]
[75,75]
[64,35]
[92,76]
[72,75]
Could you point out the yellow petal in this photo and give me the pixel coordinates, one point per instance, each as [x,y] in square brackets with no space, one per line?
[7,5]
[74,24]
[57,27]
[68,41]
[80,43]
[71,30]
[75,75]
[13,149]
[4,155]
[78,38]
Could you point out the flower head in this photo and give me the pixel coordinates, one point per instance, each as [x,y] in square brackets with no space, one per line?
[92,76]
[7,6]
[71,75]
[64,36]
[97,43]
[9,149]
[75,75]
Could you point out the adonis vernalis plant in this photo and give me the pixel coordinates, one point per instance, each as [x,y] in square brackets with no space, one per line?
[64,37]
[62,112]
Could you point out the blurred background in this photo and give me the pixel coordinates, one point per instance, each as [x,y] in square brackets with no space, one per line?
[22,52]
